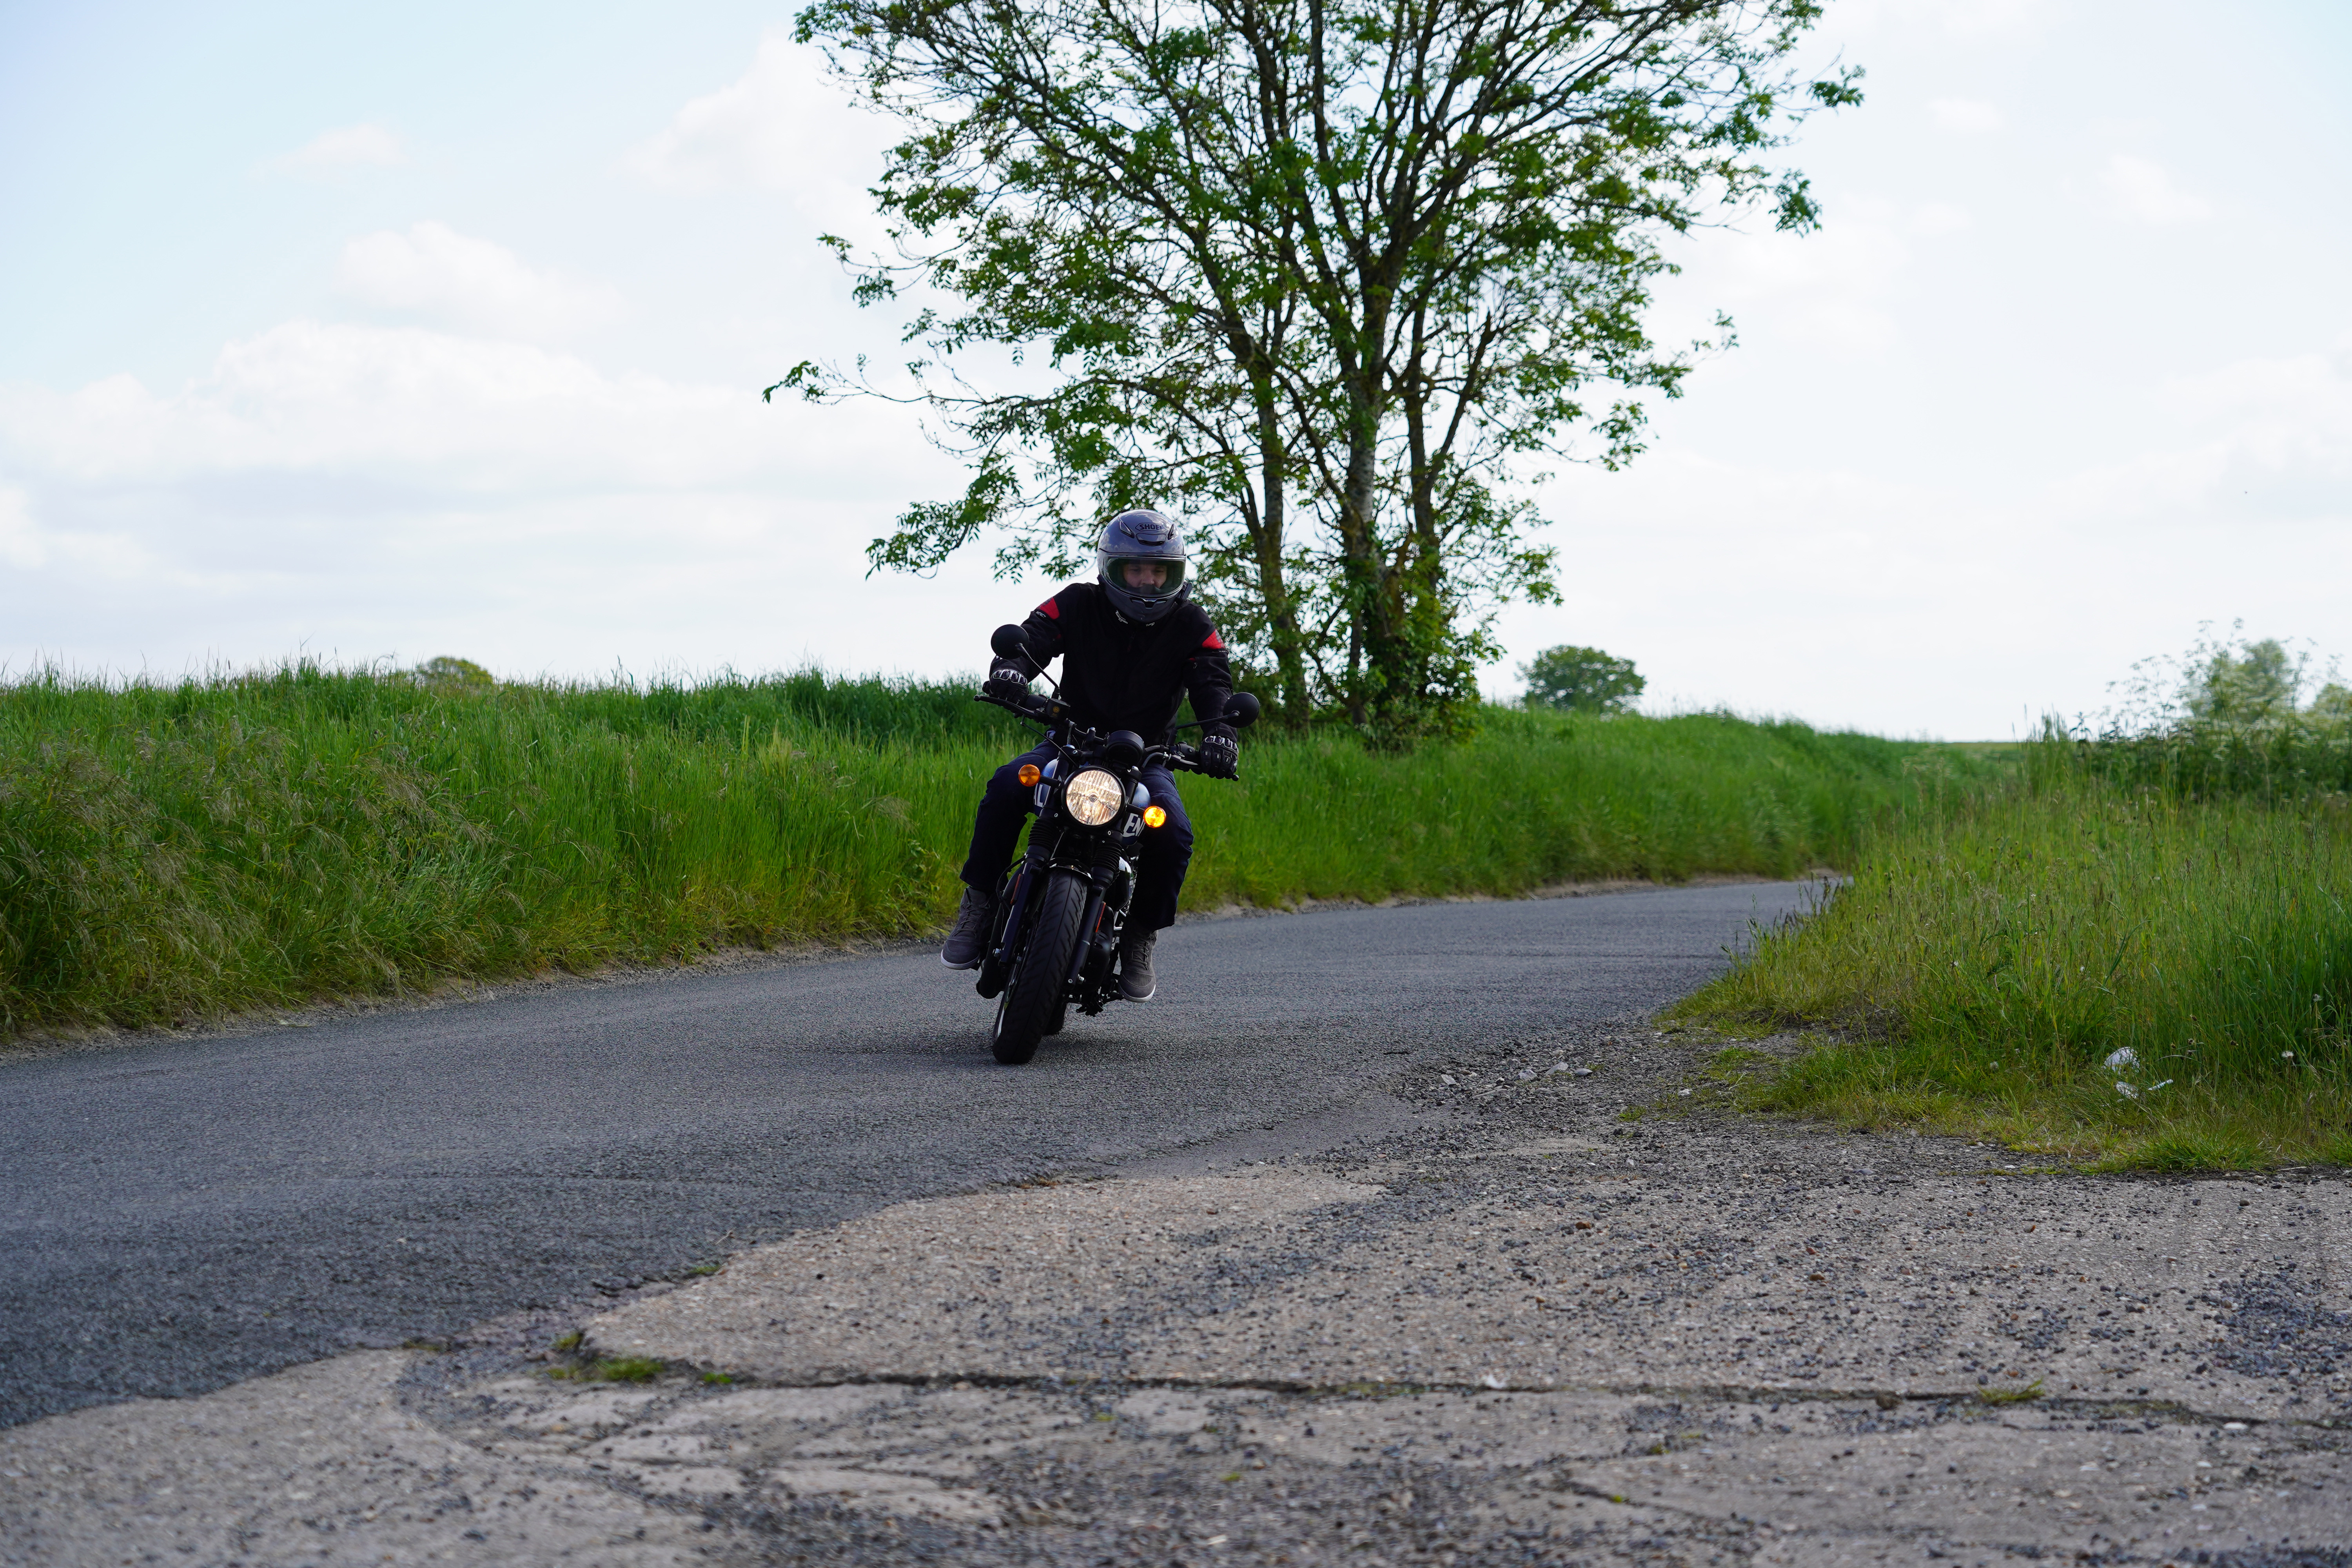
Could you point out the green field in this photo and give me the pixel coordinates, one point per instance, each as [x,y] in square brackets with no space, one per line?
[2138,951]
[170,853]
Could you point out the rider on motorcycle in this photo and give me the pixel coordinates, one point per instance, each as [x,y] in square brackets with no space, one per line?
[1133,646]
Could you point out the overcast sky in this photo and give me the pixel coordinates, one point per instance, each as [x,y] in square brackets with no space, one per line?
[377,332]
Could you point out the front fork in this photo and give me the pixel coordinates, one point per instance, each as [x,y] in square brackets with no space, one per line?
[1016,899]
[1013,906]
[1012,909]
[1103,948]
[1025,879]
[1085,949]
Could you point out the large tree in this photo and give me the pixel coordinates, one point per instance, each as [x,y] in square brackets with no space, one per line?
[1324,275]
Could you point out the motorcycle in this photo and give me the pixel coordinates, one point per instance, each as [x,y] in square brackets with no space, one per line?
[1054,936]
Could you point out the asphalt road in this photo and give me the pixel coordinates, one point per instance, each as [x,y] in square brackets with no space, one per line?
[180,1214]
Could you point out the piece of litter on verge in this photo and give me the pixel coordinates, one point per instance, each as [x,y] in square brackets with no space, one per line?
[1446,1078]
[2233,1425]
[1490,1380]
[1683,1092]
[2121,1058]
[1583,1072]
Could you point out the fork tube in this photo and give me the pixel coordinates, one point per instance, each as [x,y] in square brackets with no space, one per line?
[1020,900]
[1092,918]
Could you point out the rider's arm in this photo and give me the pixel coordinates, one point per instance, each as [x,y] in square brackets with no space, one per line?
[1209,677]
[1045,630]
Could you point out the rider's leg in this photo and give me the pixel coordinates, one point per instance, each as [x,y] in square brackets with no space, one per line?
[996,826]
[1166,851]
[995,829]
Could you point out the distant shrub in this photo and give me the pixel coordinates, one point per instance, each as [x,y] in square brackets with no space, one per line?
[458,673]
[1581,680]
[2225,718]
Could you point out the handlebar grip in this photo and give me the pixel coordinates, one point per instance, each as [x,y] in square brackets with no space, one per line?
[1036,709]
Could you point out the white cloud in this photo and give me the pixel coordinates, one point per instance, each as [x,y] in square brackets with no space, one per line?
[346,147]
[453,278]
[1940,217]
[785,126]
[2255,440]
[1986,18]
[1984,605]
[1966,115]
[2301,404]
[424,409]
[771,130]
[1969,19]
[2144,190]
[1828,289]
[364,490]
[21,544]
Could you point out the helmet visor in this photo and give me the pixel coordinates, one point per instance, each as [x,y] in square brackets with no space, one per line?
[1146,576]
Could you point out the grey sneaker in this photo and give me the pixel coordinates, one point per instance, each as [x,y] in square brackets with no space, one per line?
[1135,984]
[970,939]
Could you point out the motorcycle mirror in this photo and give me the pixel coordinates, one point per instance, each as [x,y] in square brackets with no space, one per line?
[1241,711]
[1010,642]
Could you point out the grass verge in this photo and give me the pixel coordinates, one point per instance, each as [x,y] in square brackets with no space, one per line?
[2080,965]
[169,853]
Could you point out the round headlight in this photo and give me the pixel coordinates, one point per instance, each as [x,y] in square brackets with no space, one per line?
[1094,797]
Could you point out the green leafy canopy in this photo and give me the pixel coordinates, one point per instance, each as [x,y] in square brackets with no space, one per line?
[1333,279]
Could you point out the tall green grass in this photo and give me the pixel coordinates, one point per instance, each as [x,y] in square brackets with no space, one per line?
[1542,797]
[2290,758]
[171,852]
[2087,960]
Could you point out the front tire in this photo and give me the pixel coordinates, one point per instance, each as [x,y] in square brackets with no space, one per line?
[1032,1002]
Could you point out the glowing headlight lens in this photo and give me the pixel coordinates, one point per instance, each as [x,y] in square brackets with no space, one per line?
[1094,797]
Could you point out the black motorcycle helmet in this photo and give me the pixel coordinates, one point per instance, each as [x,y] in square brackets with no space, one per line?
[1133,543]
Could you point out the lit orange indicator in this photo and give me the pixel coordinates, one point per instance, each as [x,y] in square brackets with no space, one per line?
[1029,774]
[1153,816]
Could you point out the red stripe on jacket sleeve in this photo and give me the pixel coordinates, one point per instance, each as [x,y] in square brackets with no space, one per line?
[1051,609]
[1212,640]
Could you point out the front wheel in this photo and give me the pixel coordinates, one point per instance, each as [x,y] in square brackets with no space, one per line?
[1033,1000]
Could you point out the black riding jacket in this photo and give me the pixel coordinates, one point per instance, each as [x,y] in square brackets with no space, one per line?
[1120,674]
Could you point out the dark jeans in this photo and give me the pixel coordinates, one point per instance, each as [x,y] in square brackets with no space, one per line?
[1159,864]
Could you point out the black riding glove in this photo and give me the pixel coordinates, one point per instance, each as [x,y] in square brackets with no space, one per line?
[1221,753]
[1007,682]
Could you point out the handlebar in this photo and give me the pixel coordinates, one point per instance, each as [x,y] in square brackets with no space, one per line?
[1036,709]
[1178,757]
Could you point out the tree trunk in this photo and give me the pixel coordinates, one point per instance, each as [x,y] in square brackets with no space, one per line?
[1426,613]
[1281,611]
